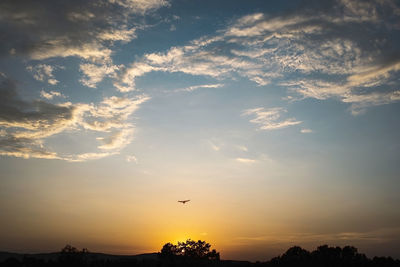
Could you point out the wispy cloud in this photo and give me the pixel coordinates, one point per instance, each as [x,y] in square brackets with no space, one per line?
[380,235]
[43,73]
[140,6]
[216,146]
[195,87]
[26,125]
[94,74]
[242,148]
[51,94]
[246,160]
[117,140]
[334,48]
[269,119]
[124,35]
[131,158]
[305,130]
[86,30]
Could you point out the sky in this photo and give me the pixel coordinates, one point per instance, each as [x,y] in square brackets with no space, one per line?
[279,120]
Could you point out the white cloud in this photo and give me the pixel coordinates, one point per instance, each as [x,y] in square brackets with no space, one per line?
[117,140]
[305,130]
[131,158]
[87,156]
[214,146]
[25,126]
[123,35]
[51,94]
[246,160]
[43,73]
[94,74]
[273,50]
[242,148]
[80,16]
[195,87]
[93,52]
[172,28]
[269,119]
[250,27]
[141,6]
[87,30]
[359,103]
[377,235]
[374,75]
[317,89]
[126,82]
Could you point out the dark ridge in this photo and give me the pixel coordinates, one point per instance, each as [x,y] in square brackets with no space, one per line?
[294,257]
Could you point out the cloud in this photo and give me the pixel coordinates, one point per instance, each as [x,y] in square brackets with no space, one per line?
[87,156]
[25,126]
[242,148]
[246,160]
[214,146]
[195,87]
[312,53]
[374,75]
[268,119]
[83,29]
[193,59]
[123,35]
[93,74]
[131,158]
[172,28]
[305,130]
[380,235]
[359,103]
[43,73]
[140,6]
[51,94]
[117,140]
[126,80]
[37,116]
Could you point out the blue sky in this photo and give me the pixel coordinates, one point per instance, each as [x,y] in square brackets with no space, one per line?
[279,115]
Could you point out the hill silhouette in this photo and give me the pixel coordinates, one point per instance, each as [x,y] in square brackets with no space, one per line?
[192,253]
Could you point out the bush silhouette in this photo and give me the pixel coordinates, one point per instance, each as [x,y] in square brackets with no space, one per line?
[70,255]
[198,254]
[190,249]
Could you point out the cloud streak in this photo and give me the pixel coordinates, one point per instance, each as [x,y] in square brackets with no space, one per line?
[82,29]
[50,95]
[44,73]
[26,125]
[343,54]
[269,119]
[196,87]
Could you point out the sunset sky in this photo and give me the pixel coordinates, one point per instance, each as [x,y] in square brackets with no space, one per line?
[278,119]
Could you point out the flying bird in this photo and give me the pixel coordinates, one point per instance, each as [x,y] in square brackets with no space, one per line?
[184,201]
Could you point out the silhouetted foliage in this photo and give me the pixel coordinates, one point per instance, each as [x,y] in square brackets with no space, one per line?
[190,249]
[192,253]
[70,255]
[322,256]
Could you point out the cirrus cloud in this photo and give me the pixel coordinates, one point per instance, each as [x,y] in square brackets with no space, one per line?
[25,126]
[346,53]
[269,119]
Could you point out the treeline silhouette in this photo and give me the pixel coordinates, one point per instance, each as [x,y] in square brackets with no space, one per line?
[192,253]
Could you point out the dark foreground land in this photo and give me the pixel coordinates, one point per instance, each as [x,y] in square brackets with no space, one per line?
[295,256]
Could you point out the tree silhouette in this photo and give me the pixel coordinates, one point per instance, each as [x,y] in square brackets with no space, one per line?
[68,249]
[72,256]
[190,249]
